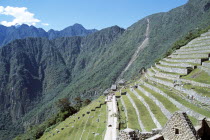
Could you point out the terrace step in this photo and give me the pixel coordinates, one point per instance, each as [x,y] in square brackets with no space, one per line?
[184,65]
[137,112]
[197,96]
[206,69]
[198,41]
[206,64]
[191,52]
[159,73]
[186,60]
[184,49]
[148,108]
[206,34]
[158,103]
[178,105]
[183,71]
[190,55]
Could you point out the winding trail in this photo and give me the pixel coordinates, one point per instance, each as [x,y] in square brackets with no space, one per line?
[135,55]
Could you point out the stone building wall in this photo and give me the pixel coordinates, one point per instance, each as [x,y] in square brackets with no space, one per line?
[179,127]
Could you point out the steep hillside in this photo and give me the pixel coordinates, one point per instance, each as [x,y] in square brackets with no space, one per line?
[178,82]
[35,70]
[8,34]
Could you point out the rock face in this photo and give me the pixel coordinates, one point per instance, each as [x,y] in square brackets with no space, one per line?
[8,34]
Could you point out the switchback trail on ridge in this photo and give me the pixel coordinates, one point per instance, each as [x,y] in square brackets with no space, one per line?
[135,55]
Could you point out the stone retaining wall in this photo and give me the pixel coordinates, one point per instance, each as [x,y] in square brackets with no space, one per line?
[137,112]
[198,41]
[125,109]
[195,83]
[148,108]
[207,70]
[160,81]
[196,61]
[158,103]
[161,74]
[205,47]
[197,45]
[206,34]
[206,64]
[176,64]
[190,92]
[177,104]
[173,70]
[192,52]
[190,56]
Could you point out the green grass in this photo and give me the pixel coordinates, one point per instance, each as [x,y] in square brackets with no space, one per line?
[101,128]
[173,95]
[154,108]
[144,113]
[193,120]
[79,124]
[132,116]
[122,116]
[200,90]
[199,76]
[168,104]
[171,66]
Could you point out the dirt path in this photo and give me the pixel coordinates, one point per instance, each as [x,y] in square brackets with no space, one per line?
[135,55]
[111,130]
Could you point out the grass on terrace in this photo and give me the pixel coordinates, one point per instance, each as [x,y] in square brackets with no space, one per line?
[144,113]
[154,108]
[199,76]
[132,116]
[168,104]
[73,127]
[201,90]
[173,95]
[122,117]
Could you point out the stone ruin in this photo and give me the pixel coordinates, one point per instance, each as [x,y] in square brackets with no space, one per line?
[178,127]
[128,134]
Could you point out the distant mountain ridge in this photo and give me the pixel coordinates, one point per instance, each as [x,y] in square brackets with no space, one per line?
[8,34]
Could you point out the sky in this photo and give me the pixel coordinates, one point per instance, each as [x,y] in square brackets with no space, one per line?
[92,14]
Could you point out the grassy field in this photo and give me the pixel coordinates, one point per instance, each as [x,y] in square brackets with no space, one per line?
[168,104]
[198,76]
[144,113]
[132,116]
[173,95]
[122,117]
[154,108]
[72,127]
[200,90]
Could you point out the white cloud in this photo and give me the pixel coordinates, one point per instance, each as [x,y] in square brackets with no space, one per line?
[20,14]
[45,24]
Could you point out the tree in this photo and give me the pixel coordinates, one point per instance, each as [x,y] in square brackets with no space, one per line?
[87,102]
[78,103]
[63,104]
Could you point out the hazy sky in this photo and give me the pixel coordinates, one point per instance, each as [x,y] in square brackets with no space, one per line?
[58,14]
